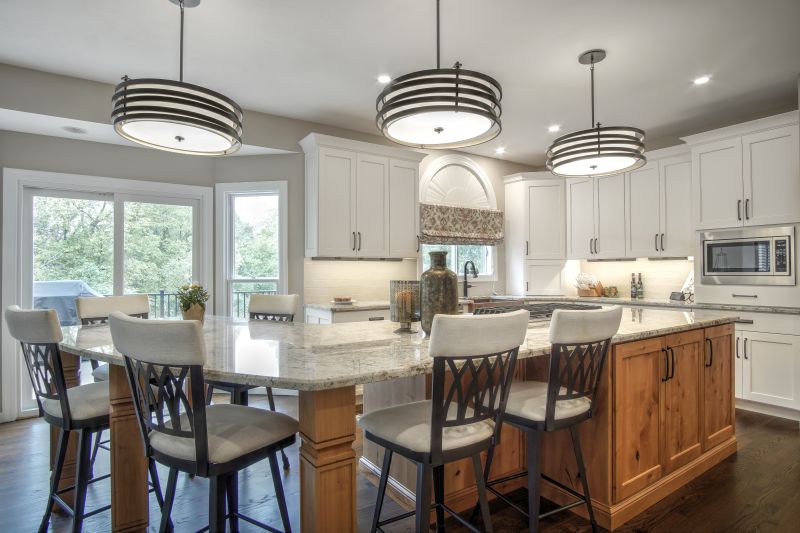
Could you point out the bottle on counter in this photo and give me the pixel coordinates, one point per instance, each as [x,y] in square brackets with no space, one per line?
[633,286]
[639,288]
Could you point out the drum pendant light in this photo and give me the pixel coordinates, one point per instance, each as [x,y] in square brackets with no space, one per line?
[176,116]
[599,151]
[441,107]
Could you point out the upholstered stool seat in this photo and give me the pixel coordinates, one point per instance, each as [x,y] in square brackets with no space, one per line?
[100,373]
[528,399]
[86,402]
[233,431]
[409,426]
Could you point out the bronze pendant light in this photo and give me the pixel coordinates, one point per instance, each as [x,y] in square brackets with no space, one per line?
[600,150]
[441,107]
[176,116]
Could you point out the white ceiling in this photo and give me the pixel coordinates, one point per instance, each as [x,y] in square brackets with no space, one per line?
[317,60]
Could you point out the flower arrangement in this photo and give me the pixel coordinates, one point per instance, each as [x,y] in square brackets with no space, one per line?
[192,294]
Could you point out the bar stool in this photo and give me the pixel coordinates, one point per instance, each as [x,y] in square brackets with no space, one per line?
[579,345]
[95,310]
[274,307]
[82,409]
[179,431]
[460,419]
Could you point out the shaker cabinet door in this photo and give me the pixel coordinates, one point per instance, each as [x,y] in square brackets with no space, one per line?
[676,239]
[609,212]
[717,175]
[771,176]
[337,193]
[372,206]
[403,209]
[643,212]
[771,368]
[580,218]
[546,231]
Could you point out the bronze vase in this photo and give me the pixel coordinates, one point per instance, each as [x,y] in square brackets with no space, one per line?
[439,291]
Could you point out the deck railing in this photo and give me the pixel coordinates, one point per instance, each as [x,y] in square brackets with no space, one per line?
[165,304]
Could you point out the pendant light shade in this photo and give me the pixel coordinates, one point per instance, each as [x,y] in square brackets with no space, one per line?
[441,107]
[600,150]
[177,116]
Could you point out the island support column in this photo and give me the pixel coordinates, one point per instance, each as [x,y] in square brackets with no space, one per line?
[327,460]
[129,496]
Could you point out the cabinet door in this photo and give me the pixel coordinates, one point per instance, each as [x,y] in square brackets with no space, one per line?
[718,405]
[403,217]
[638,369]
[372,206]
[609,212]
[676,208]
[544,277]
[580,217]
[683,395]
[771,368]
[337,200]
[717,178]
[771,176]
[546,239]
[644,215]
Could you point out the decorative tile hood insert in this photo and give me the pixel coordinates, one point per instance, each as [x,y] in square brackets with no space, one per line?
[444,224]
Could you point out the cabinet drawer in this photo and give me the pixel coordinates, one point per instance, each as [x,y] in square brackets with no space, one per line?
[769,323]
[360,316]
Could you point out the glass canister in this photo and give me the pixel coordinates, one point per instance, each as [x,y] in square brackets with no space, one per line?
[404,303]
[438,291]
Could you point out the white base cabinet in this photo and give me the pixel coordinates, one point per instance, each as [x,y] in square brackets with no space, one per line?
[323,316]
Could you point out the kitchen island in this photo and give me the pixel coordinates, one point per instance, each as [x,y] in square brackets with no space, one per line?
[325,362]
[664,414]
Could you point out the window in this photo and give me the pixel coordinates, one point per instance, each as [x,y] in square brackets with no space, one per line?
[252,226]
[88,236]
[481,256]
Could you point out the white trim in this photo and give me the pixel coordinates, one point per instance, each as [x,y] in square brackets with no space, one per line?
[526,176]
[404,491]
[766,409]
[312,141]
[737,130]
[452,159]
[223,194]
[15,182]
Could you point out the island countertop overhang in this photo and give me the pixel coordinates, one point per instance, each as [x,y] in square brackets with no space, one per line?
[318,357]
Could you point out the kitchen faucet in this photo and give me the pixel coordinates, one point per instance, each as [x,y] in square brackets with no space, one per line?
[467,266]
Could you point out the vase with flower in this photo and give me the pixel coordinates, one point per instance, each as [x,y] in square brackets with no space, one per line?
[192,299]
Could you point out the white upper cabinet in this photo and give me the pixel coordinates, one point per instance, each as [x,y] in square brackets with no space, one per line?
[747,175]
[361,199]
[644,211]
[771,176]
[658,198]
[546,237]
[403,208]
[609,210]
[535,233]
[580,218]
[372,206]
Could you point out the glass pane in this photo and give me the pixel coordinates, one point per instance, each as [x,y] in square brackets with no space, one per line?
[73,252]
[158,253]
[255,236]
[426,258]
[241,291]
[738,256]
[480,255]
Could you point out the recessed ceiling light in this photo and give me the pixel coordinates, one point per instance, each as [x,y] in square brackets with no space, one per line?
[554,128]
[500,150]
[702,80]
[74,129]
[384,78]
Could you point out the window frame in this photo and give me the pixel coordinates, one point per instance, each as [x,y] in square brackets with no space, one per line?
[224,194]
[490,278]
[19,187]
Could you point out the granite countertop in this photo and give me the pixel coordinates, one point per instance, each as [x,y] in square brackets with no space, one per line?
[672,304]
[317,357]
[355,306]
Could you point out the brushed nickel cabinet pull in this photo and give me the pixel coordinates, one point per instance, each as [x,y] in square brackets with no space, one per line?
[375,318]
[745,347]
[359,241]
[747,209]
[739,209]
[744,295]
[656,241]
[662,242]
[354,241]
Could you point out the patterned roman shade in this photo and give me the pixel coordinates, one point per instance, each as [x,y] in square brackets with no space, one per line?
[444,224]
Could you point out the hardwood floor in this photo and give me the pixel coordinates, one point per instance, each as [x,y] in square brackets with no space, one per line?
[758,489]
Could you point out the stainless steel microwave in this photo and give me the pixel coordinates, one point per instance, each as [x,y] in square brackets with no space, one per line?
[749,256]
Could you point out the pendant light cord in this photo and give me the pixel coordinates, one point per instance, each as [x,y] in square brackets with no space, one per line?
[181,60]
[438,52]
[591,71]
